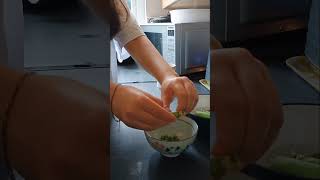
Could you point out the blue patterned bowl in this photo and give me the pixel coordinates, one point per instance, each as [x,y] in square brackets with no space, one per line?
[184,128]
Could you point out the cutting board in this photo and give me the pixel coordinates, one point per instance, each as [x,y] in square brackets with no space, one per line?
[300,132]
[306,70]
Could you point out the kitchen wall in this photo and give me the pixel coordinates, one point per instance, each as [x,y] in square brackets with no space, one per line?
[154,8]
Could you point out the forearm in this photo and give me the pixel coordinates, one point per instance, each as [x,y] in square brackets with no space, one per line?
[8,80]
[143,51]
[43,111]
[112,88]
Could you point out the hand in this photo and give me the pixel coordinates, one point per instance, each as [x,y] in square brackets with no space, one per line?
[62,128]
[246,104]
[182,88]
[139,110]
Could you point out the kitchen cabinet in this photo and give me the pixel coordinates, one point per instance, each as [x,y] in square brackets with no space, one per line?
[11,34]
[69,37]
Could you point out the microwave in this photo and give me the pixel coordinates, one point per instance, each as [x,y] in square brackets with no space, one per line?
[184,45]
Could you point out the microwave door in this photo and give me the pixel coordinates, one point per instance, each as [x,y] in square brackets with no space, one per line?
[197,45]
[157,34]
[157,40]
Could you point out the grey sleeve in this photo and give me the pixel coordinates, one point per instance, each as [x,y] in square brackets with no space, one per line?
[130,29]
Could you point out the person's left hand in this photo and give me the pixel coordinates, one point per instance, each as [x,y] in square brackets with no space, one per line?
[182,88]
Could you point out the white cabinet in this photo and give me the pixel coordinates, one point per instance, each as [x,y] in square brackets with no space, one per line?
[11,33]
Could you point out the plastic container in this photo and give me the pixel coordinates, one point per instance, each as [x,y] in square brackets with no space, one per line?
[190,15]
[185,4]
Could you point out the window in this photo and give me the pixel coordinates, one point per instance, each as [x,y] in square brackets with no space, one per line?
[129,3]
[138,9]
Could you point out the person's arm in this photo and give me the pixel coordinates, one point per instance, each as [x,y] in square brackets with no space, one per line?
[131,36]
[143,51]
[138,109]
[246,104]
[57,129]
[8,79]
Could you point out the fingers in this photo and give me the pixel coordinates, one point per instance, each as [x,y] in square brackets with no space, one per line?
[145,121]
[151,114]
[137,124]
[192,95]
[184,90]
[155,99]
[156,111]
[231,112]
[176,88]
[258,94]
[167,97]
[246,103]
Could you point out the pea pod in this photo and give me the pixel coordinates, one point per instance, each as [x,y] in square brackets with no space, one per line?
[178,114]
[296,167]
[203,114]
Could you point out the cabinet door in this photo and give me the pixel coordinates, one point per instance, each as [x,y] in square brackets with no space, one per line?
[3,46]
[11,33]
[72,36]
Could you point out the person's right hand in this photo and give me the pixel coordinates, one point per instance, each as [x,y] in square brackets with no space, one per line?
[246,103]
[139,110]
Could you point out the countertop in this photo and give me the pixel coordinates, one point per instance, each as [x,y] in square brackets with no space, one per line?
[291,87]
[133,158]
[131,152]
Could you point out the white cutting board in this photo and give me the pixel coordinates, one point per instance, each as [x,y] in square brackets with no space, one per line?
[299,134]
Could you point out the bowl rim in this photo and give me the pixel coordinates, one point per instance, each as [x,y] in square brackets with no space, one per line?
[191,122]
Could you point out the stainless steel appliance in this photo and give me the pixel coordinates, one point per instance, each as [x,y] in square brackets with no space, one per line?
[185,45]
[242,19]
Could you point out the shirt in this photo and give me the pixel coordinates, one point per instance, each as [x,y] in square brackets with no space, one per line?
[129,29]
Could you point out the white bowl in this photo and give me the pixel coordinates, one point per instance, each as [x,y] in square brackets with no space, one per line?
[184,128]
[190,15]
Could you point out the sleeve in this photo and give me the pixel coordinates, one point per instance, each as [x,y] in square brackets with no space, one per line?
[130,29]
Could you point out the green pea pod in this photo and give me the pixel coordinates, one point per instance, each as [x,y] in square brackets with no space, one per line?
[203,114]
[178,114]
[296,167]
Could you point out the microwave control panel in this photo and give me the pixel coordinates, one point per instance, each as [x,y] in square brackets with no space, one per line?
[171,45]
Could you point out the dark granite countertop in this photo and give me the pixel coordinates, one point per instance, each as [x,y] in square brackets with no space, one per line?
[291,87]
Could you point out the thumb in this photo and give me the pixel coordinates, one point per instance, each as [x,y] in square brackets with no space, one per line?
[167,97]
